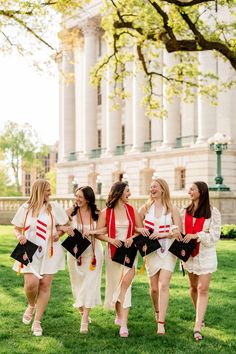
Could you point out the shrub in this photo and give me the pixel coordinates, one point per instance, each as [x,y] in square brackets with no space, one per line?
[228,231]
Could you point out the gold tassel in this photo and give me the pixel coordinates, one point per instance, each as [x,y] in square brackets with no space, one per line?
[142,269]
[93,263]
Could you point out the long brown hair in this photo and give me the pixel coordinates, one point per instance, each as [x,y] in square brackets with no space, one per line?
[115,193]
[36,200]
[204,208]
[89,196]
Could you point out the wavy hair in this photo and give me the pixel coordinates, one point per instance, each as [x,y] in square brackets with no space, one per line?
[165,197]
[89,196]
[204,208]
[36,200]
[115,193]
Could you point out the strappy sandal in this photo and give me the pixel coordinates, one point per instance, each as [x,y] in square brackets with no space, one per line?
[124,332]
[37,329]
[28,314]
[84,327]
[158,331]
[197,336]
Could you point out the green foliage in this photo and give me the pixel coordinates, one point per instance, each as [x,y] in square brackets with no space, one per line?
[51,177]
[19,143]
[61,321]
[228,231]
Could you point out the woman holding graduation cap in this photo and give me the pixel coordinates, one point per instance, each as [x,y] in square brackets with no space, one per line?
[85,273]
[202,223]
[160,216]
[36,221]
[120,218]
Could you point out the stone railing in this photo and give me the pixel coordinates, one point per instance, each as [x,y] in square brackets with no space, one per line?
[224,201]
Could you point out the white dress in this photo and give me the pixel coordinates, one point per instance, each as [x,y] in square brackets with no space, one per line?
[206,260]
[42,263]
[115,273]
[162,258]
[86,283]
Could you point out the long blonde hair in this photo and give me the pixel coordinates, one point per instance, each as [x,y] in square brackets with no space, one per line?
[165,197]
[36,200]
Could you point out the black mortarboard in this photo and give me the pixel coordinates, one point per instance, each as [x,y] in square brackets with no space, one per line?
[24,253]
[182,250]
[76,244]
[125,255]
[145,245]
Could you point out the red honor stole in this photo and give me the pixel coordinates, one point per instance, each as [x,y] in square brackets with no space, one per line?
[193,229]
[111,224]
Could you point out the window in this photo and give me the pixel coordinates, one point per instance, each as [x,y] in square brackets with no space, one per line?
[27,183]
[99,95]
[180,178]
[99,138]
[123,135]
[149,130]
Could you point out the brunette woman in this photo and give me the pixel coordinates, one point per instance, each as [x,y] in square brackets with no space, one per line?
[202,223]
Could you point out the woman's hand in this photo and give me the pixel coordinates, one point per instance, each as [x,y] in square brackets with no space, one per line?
[56,236]
[115,242]
[22,239]
[154,236]
[143,231]
[189,237]
[87,233]
[69,230]
[128,242]
[177,235]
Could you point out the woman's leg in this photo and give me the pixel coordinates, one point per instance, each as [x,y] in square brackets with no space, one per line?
[164,281]
[202,299]
[154,293]
[126,282]
[43,296]
[84,320]
[31,285]
[193,282]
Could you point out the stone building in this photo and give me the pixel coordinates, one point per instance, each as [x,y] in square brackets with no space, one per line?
[98,145]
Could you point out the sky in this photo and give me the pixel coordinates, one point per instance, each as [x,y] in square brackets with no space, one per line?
[29,96]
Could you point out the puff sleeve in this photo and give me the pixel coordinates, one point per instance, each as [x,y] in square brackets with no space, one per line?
[59,214]
[209,237]
[19,217]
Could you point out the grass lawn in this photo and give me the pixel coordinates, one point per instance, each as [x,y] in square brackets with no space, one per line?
[61,322]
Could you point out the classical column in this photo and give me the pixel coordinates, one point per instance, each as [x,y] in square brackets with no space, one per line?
[128,106]
[140,120]
[171,124]
[206,111]
[79,73]
[67,104]
[189,122]
[113,116]
[90,93]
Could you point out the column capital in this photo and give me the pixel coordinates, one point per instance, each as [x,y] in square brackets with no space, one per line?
[89,28]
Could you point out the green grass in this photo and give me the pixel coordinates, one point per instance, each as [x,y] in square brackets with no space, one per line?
[61,322]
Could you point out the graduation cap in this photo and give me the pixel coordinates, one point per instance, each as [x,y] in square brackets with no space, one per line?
[182,250]
[145,245]
[24,253]
[76,244]
[125,255]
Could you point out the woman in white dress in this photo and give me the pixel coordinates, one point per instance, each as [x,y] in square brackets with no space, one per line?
[36,220]
[160,216]
[120,218]
[202,223]
[85,274]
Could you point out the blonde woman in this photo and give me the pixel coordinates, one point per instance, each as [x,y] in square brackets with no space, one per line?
[85,274]
[36,220]
[159,215]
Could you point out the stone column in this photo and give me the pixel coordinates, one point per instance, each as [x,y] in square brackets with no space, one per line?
[206,111]
[171,124]
[90,93]
[79,95]
[113,117]
[140,120]
[128,106]
[67,104]
[189,122]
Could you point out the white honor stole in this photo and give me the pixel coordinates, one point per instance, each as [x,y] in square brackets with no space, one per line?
[162,225]
[37,232]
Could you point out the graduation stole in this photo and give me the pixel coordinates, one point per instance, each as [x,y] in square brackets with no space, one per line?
[191,228]
[111,224]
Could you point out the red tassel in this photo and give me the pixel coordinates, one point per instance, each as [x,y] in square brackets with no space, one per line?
[79,261]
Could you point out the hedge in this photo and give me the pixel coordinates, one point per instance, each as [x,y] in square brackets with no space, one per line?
[228,231]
